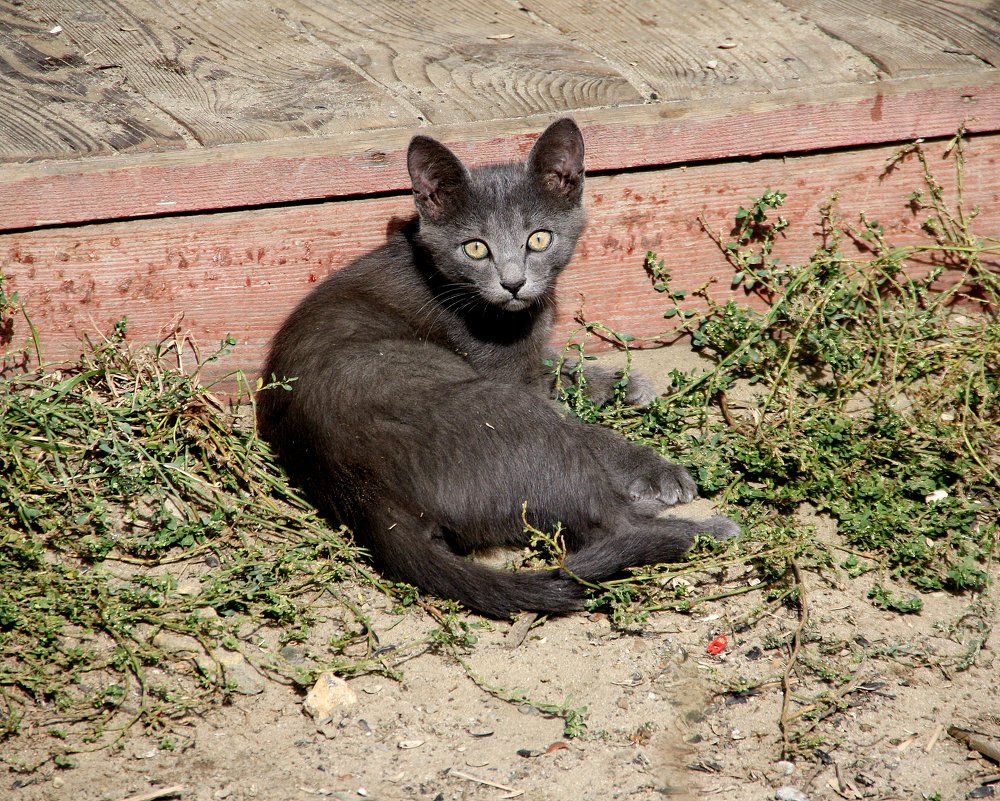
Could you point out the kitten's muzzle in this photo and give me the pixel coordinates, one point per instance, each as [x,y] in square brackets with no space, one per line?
[513,285]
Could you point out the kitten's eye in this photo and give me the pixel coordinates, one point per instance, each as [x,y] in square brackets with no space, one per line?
[539,240]
[476,249]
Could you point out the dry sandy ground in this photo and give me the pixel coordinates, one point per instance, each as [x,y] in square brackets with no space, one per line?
[665,718]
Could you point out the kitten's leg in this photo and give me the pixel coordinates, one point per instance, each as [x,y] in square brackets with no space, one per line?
[411,549]
[648,479]
[641,541]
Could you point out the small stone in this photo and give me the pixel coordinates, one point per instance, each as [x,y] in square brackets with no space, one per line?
[243,678]
[176,643]
[787,768]
[408,744]
[295,654]
[189,587]
[58,782]
[789,793]
[227,658]
[329,694]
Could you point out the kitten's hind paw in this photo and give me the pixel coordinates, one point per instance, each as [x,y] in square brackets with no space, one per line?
[667,485]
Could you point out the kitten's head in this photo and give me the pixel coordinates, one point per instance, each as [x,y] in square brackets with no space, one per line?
[504,231]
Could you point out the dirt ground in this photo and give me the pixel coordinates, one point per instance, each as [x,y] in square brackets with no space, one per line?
[665,717]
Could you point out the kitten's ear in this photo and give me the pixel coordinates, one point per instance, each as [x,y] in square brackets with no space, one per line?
[557,160]
[439,178]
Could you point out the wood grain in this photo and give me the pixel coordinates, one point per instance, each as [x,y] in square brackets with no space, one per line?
[225,71]
[374,161]
[463,60]
[692,51]
[911,37]
[57,104]
[240,273]
[306,79]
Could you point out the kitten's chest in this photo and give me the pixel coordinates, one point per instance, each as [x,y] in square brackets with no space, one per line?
[512,362]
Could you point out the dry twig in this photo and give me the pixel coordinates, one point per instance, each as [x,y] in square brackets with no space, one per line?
[161,792]
[786,678]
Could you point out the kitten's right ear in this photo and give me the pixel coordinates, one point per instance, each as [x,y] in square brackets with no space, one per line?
[439,178]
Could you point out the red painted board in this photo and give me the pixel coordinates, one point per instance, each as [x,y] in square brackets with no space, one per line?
[241,176]
[240,273]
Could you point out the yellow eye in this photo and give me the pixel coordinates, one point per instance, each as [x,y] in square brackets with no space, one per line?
[539,240]
[475,249]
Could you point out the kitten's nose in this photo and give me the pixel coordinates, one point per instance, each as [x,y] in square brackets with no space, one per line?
[513,285]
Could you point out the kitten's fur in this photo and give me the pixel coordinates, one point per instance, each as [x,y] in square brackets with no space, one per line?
[419,414]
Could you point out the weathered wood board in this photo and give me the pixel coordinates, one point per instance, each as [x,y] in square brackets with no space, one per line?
[118,76]
[240,273]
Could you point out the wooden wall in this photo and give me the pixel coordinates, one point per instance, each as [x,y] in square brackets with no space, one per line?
[239,273]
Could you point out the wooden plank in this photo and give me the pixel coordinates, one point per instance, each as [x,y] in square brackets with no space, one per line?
[453,61]
[212,80]
[57,103]
[726,50]
[123,76]
[911,37]
[372,162]
[240,273]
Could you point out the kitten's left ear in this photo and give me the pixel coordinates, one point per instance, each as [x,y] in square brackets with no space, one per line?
[557,160]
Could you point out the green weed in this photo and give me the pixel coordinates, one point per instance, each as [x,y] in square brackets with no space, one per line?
[862,386]
[135,507]
[866,387]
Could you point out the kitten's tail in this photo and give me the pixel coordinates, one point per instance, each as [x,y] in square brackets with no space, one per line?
[414,552]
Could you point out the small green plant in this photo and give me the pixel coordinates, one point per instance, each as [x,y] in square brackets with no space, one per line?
[866,388]
[884,599]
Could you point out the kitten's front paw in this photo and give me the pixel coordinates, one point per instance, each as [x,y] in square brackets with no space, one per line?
[639,392]
[722,528]
[665,485]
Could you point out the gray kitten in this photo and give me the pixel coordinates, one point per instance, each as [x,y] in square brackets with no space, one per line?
[419,415]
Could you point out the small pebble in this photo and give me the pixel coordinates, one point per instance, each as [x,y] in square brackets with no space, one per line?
[295,654]
[408,744]
[329,693]
[789,793]
[786,767]
[176,643]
